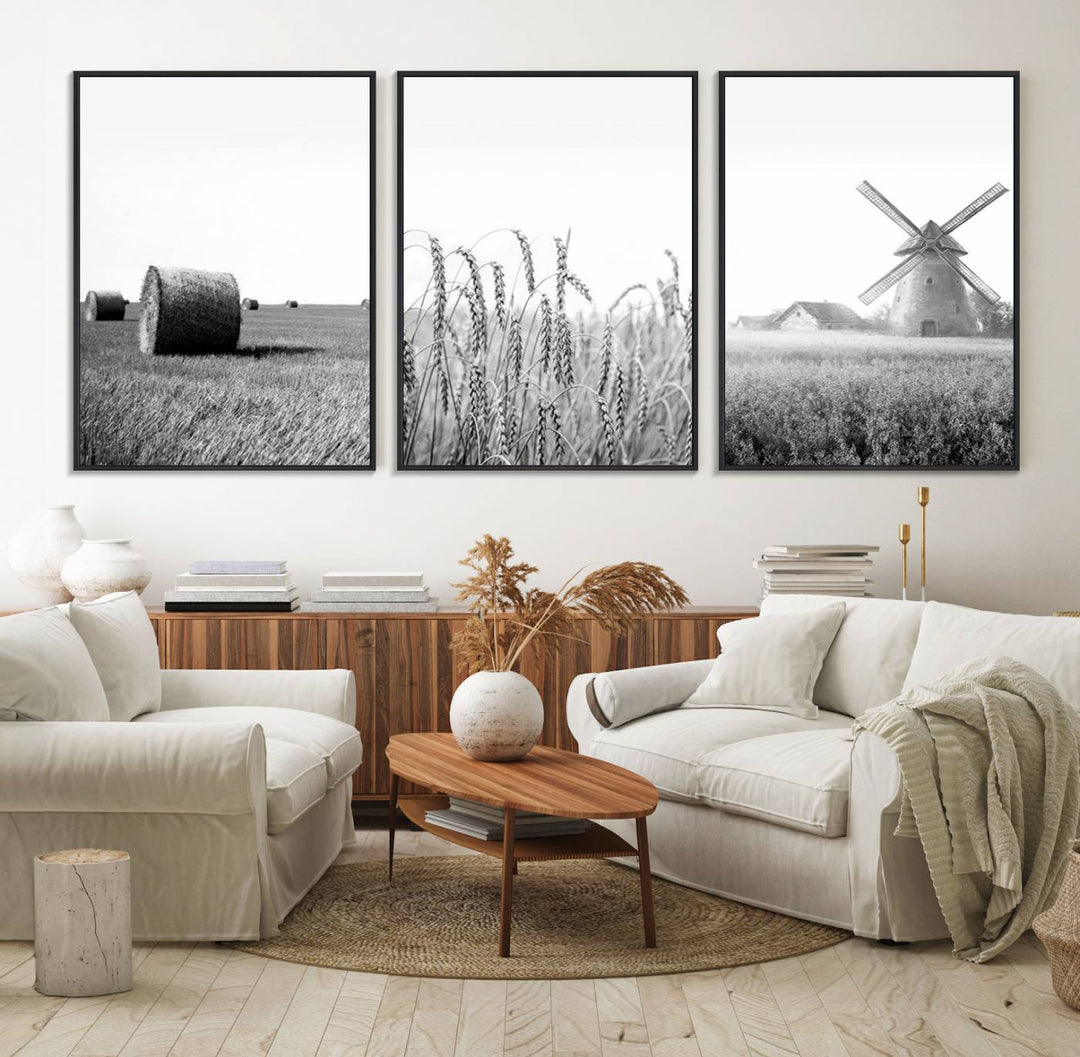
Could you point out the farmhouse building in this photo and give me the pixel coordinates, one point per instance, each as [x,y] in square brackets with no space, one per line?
[754,322]
[818,315]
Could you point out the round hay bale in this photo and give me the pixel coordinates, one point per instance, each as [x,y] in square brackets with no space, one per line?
[292,304]
[189,311]
[250,303]
[101,305]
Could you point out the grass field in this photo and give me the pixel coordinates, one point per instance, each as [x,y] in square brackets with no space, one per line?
[837,398]
[294,394]
[500,370]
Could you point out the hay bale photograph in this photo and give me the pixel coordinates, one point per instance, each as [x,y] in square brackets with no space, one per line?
[193,376]
[104,305]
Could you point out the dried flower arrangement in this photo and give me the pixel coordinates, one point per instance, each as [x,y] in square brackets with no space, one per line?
[507,615]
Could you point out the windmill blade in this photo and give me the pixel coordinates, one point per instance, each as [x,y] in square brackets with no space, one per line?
[980,203]
[965,273]
[872,194]
[872,293]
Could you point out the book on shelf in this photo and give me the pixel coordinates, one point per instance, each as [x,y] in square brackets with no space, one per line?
[243,581]
[801,565]
[372,579]
[229,567]
[370,607]
[231,607]
[795,550]
[489,829]
[368,594]
[224,594]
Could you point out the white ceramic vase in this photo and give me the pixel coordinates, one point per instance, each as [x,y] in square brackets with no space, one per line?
[496,715]
[37,551]
[100,567]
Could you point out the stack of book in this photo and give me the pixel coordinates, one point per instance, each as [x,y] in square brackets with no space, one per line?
[486,822]
[817,569]
[371,593]
[234,587]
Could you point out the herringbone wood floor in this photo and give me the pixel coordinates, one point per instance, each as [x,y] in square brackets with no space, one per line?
[857,999]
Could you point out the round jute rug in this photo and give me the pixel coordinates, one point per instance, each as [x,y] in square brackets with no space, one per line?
[574,918]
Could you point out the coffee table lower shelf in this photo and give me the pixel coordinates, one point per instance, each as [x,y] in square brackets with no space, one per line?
[597,842]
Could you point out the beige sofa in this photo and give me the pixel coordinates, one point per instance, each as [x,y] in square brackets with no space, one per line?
[794,814]
[232,796]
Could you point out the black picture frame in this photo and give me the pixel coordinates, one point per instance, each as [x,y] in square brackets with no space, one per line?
[80,76]
[1013,76]
[691,464]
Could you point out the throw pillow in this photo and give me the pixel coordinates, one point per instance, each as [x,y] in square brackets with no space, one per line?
[770,663]
[45,670]
[120,638]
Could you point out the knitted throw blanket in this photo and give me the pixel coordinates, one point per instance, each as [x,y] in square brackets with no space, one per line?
[990,761]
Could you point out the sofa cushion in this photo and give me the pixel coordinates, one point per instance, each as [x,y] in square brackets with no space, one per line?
[869,658]
[295,780]
[336,743]
[770,662]
[45,670]
[120,639]
[953,635]
[799,780]
[668,748]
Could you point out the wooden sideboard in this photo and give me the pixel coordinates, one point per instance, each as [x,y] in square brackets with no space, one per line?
[406,667]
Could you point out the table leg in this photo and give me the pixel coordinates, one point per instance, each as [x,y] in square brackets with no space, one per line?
[392,822]
[506,896]
[646,882]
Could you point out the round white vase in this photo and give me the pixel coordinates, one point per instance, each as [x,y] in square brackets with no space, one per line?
[100,567]
[37,551]
[496,715]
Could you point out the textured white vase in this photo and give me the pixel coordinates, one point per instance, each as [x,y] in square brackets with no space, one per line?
[100,567]
[37,551]
[496,715]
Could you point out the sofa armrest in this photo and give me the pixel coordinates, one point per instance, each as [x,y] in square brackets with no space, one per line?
[609,699]
[189,768]
[329,692]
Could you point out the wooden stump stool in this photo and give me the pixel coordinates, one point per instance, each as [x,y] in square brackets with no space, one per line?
[82,922]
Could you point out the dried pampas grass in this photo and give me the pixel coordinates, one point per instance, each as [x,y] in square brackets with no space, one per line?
[189,311]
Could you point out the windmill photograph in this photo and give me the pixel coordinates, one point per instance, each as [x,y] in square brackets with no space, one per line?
[822,368]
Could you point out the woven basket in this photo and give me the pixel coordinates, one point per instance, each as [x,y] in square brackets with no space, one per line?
[1059,929]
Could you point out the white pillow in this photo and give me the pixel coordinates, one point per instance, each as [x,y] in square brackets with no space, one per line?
[953,635]
[869,657]
[770,663]
[121,642]
[45,670]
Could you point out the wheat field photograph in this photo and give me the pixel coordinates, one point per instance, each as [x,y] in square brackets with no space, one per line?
[547,257]
[869,271]
[223,271]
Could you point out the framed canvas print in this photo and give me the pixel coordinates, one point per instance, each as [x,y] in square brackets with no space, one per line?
[869,291]
[547,263]
[224,265]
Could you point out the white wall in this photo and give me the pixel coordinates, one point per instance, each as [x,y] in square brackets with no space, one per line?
[996,540]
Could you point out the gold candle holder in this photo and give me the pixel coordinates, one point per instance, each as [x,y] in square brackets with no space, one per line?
[923,496]
[904,535]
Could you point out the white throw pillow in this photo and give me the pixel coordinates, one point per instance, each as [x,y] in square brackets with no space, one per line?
[120,638]
[45,670]
[869,657]
[770,662]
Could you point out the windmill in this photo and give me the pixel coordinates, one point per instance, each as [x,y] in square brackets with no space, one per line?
[931,298]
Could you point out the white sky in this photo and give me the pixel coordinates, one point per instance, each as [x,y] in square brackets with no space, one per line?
[797,147]
[607,157]
[264,177]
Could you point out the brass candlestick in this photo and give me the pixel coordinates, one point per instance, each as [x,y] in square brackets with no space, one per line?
[904,535]
[923,497]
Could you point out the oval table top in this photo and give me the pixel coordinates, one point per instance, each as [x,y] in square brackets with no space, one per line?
[549,781]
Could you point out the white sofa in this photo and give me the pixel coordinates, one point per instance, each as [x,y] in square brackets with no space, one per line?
[232,795]
[788,813]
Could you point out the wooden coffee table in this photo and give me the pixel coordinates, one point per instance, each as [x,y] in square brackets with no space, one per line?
[549,781]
